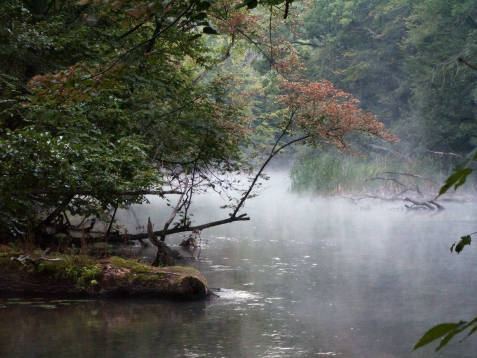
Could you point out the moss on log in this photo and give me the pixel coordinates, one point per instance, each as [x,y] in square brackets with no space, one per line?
[112,277]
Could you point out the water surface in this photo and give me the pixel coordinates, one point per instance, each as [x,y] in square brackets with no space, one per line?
[306,277]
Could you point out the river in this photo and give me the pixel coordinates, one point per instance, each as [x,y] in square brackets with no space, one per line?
[306,277]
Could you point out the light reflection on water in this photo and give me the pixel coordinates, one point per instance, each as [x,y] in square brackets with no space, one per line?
[303,278]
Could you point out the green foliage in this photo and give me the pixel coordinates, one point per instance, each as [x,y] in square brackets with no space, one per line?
[443,90]
[464,240]
[461,172]
[400,59]
[89,105]
[84,272]
[447,331]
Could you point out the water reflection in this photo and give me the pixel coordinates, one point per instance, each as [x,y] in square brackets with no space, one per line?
[304,278]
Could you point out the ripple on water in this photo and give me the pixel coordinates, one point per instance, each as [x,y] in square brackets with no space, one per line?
[223,268]
[236,296]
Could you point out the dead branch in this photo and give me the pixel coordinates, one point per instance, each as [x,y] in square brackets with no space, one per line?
[177,230]
[461,60]
[174,212]
[439,206]
[33,261]
[425,204]
[382,198]
[420,203]
[444,153]
[406,188]
[414,176]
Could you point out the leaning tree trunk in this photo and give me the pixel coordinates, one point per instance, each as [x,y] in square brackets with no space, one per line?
[165,255]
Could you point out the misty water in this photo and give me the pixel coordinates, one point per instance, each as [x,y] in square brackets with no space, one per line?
[306,277]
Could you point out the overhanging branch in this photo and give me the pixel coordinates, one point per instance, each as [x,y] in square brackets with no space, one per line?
[176,230]
[95,192]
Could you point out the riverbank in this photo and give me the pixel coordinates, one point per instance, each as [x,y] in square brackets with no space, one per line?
[32,273]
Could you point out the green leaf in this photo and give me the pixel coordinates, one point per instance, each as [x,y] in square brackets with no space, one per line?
[460,327]
[461,172]
[435,333]
[457,179]
[464,240]
[472,331]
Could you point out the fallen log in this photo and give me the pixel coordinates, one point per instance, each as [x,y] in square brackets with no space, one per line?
[79,276]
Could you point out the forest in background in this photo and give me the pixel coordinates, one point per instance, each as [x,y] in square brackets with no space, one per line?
[103,103]
[408,62]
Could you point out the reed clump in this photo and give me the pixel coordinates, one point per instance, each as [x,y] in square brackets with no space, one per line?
[331,173]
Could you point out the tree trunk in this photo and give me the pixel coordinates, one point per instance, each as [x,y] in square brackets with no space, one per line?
[165,255]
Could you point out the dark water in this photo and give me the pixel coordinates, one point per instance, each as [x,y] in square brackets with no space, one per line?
[305,278]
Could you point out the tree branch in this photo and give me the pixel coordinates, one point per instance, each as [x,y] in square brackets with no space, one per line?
[272,154]
[461,60]
[93,192]
[414,176]
[143,42]
[174,212]
[242,217]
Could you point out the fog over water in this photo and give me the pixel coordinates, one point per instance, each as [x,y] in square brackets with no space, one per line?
[306,277]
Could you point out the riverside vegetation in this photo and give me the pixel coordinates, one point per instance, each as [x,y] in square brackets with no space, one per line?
[103,103]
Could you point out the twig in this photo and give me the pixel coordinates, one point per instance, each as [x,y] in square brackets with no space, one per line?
[33,261]
[444,153]
[461,60]
[143,42]
[413,175]
[174,212]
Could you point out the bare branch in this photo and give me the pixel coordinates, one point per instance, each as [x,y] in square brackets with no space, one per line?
[414,176]
[461,60]
[176,230]
[444,153]
[33,261]
[174,212]
[420,203]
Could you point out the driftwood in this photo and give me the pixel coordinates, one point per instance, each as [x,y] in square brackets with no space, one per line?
[33,261]
[406,187]
[429,204]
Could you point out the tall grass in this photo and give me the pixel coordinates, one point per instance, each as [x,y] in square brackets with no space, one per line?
[334,173]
